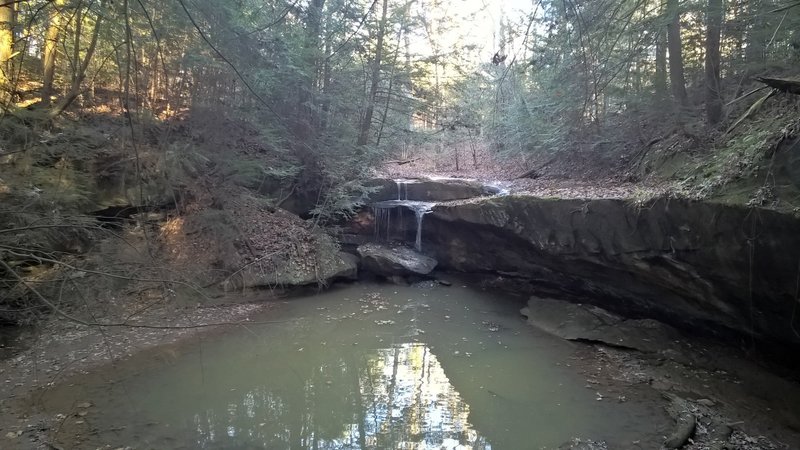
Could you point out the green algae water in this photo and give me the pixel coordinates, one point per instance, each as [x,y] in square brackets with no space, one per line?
[366,366]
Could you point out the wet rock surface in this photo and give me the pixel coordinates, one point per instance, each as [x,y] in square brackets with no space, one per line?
[588,323]
[394,261]
[429,190]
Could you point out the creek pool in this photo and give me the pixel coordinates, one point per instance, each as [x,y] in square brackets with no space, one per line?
[365,366]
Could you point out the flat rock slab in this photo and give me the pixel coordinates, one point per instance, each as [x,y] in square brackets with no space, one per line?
[429,190]
[581,322]
[391,261]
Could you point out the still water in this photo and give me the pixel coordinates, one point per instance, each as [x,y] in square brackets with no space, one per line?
[360,367]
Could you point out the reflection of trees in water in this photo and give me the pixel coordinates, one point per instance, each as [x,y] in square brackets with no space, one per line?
[390,398]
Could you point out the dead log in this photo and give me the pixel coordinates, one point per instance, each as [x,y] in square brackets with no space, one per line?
[782,84]
[401,162]
[533,174]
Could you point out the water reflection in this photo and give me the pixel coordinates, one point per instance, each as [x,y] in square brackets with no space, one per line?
[367,367]
[396,397]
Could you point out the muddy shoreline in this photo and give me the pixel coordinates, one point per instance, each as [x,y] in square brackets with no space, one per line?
[59,351]
[718,384]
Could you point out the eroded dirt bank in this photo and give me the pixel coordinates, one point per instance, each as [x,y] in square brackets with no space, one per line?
[59,351]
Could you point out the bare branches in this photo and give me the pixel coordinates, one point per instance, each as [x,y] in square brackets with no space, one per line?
[105,274]
[124,324]
[229,63]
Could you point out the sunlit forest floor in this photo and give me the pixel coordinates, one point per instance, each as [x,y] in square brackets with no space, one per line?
[755,164]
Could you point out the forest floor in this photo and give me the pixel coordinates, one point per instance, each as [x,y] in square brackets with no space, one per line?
[757,164]
[572,177]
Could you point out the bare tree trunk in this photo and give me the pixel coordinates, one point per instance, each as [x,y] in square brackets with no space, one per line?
[51,49]
[713,28]
[756,36]
[390,89]
[474,150]
[308,121]
[363,137]
[676,76]
[80,71]
[660,81]
[6,50]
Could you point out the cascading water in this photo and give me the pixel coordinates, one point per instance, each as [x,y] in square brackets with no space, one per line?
[383,220]
[402,188]
[383,213]
[383,217]
[420,212]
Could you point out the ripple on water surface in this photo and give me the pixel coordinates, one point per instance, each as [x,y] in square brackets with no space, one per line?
[366,366]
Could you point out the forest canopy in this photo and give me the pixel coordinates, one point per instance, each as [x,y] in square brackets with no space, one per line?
[353,77]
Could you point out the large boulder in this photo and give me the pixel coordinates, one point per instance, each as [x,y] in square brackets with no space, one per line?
[294,273]
[394,261]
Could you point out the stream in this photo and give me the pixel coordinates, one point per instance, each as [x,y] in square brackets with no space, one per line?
[359,366]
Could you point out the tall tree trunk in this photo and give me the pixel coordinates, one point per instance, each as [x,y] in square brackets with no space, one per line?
[713,28]
[51,49]
[6,50]
[676,76]
[660,81]
[307,124]
[389,91]
[757,33]
[363,137]
[327,74]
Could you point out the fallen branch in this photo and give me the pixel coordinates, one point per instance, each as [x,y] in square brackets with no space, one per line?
[752,110]
[787,85]
[534,173]
[402,162]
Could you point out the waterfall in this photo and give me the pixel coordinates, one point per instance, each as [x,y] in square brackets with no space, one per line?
[383,213]
[420,213]
[383,220]
[402,189]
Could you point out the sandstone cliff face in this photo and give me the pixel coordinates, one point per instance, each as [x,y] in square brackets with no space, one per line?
[698,265]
